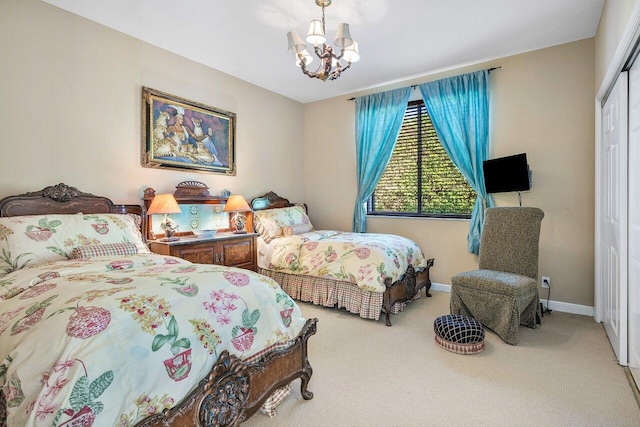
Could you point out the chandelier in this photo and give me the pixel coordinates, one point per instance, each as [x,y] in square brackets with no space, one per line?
[331,65]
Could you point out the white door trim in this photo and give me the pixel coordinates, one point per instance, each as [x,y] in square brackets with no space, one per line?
[598,286]
[613,213]
[625,48]
[633,221]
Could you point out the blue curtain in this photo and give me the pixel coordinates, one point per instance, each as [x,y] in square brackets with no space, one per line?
[378,122]
[459,110]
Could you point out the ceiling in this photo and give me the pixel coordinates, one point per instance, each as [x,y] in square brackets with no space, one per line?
[398,39]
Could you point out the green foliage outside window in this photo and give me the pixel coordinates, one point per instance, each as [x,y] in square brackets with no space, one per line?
[420,179]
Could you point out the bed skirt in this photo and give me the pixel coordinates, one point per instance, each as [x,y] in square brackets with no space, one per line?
[333,293]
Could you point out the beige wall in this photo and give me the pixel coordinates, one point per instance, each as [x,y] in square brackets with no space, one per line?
[541,104]
[70,111]
[613,22]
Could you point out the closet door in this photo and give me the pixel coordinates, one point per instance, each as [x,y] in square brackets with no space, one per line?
[634,218]
[613,214]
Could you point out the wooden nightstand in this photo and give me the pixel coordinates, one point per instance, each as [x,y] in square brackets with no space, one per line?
[229,249]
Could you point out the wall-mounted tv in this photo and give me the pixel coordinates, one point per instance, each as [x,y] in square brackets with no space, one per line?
[507,174]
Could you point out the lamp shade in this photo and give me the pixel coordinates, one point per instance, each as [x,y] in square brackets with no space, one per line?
[236,203]
[315,36]
[351,53]
[295,42]
[306,56]
[343,36]
[164,204]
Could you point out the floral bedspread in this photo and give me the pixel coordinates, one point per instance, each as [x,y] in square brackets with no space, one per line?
[365,259]
[110,340]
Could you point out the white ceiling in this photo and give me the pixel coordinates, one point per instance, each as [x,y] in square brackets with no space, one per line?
[398,39]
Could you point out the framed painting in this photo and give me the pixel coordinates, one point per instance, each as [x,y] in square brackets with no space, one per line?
[185,135]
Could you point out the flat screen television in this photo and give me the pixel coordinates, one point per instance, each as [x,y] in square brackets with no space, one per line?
[507,174]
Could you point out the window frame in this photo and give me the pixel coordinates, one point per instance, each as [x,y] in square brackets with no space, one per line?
[371,199]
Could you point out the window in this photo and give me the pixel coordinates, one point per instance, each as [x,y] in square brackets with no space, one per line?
[420,179]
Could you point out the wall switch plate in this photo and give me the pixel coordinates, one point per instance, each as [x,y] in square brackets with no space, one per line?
[545,282]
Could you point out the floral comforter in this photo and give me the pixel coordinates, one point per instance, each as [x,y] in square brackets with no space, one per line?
[364,259]
[110,340]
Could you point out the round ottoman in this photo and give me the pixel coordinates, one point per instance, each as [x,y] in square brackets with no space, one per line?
[459,334]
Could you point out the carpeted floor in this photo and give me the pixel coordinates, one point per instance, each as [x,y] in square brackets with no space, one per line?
[563,373]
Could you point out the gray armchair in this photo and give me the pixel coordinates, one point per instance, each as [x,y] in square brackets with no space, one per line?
[503,293]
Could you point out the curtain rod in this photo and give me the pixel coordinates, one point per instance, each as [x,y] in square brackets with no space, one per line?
[415,86]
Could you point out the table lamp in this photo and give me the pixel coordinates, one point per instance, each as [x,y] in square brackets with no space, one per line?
[165,204]
[236,203]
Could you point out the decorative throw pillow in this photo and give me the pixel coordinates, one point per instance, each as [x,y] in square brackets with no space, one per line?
[33,240]
[269,222]
[267,228]
[137,220]
[91,251]
[296,229]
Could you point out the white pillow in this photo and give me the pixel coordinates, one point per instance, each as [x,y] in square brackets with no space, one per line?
[269,222]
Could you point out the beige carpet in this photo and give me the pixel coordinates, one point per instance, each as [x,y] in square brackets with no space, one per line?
[366,374]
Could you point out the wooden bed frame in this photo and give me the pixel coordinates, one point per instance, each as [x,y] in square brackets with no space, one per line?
[401,291]
[233,390]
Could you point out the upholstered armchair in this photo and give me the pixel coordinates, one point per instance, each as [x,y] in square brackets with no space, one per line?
[503,293]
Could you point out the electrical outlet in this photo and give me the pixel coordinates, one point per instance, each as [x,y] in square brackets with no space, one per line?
[545,282]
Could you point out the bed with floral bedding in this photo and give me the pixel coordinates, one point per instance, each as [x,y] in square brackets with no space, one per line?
[96,330]
[366,273]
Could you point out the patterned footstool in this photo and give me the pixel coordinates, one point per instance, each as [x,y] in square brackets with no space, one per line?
[459,334]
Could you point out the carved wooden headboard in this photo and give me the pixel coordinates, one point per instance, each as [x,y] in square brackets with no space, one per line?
[271,200]
[64,199]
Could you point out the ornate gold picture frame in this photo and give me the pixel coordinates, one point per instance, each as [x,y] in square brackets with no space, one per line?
[180,134]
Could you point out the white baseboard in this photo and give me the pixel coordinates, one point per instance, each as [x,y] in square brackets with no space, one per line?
[440,287]
[567,307]
[564,307]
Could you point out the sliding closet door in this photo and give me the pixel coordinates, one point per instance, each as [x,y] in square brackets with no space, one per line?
[634,217]
[613,214]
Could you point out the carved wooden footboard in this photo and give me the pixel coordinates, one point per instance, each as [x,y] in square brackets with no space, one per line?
[235,390]
[406,289]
